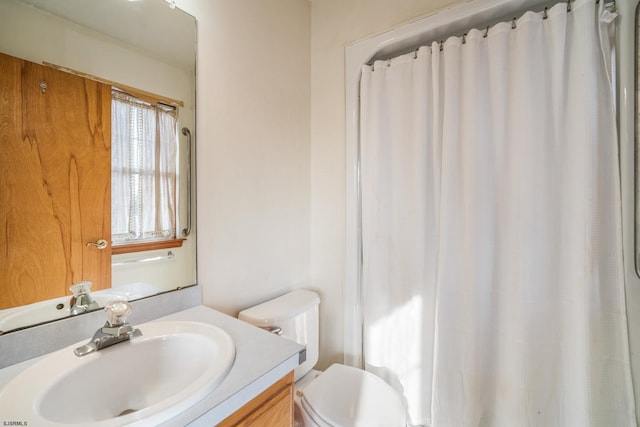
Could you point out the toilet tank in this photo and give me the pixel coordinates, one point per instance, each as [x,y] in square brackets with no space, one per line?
[296,313]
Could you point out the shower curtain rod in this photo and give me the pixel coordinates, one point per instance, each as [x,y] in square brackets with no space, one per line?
[610,6]
[514,21]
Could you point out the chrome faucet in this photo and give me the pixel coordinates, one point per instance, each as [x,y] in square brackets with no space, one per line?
[81,301]
[114,331]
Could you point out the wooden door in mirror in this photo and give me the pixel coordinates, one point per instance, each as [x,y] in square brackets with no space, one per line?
[55,182]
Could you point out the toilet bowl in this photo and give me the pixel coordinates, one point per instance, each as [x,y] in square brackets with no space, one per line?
[341,396]
[348,397]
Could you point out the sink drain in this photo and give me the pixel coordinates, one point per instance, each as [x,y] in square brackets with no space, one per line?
[127,412]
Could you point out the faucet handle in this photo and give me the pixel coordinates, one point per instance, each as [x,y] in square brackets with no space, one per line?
[117,312]
[80,288]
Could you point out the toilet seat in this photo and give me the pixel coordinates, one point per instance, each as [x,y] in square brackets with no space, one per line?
[344,396]
[311,419]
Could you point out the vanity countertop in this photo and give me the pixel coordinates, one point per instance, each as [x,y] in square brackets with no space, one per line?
[261,359]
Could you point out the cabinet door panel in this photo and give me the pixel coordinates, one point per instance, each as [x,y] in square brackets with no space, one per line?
[272,408]
[55,182]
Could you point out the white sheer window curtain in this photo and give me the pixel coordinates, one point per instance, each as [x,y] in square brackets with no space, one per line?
[144,150]
[493,287]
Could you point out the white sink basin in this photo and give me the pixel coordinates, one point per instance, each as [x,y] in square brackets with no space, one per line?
[145,381]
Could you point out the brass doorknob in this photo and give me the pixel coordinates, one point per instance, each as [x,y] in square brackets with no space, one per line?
[100,244]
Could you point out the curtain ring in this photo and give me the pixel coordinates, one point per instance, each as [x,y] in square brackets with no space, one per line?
[545,15]
[486,32]
[464,38]
[415,53]
[568,5]
[441,45]
[513,24]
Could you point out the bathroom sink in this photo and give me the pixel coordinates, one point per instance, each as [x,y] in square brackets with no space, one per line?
[145,381]
[45,311]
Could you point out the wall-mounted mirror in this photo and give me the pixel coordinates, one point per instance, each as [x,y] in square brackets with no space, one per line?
[148,46]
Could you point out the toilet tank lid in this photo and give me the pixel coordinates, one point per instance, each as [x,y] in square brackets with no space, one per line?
[281,308]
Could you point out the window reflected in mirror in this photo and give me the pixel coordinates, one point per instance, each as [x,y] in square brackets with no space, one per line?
[144,151]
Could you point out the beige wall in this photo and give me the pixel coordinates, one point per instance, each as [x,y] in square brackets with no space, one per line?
[253,149]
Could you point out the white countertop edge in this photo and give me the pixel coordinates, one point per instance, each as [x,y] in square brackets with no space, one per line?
[244,396]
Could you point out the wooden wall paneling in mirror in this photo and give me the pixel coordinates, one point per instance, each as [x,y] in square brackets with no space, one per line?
[55,182]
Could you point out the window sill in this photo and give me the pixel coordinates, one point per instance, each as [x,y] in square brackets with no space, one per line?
[146,246]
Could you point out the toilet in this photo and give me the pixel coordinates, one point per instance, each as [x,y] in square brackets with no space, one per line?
[341,396]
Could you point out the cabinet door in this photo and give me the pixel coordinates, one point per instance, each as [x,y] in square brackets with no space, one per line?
[272,408]
[55,182]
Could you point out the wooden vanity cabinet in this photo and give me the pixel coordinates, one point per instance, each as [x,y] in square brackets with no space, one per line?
[272,408]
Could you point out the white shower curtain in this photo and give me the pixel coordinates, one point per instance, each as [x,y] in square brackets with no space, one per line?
[493,288]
